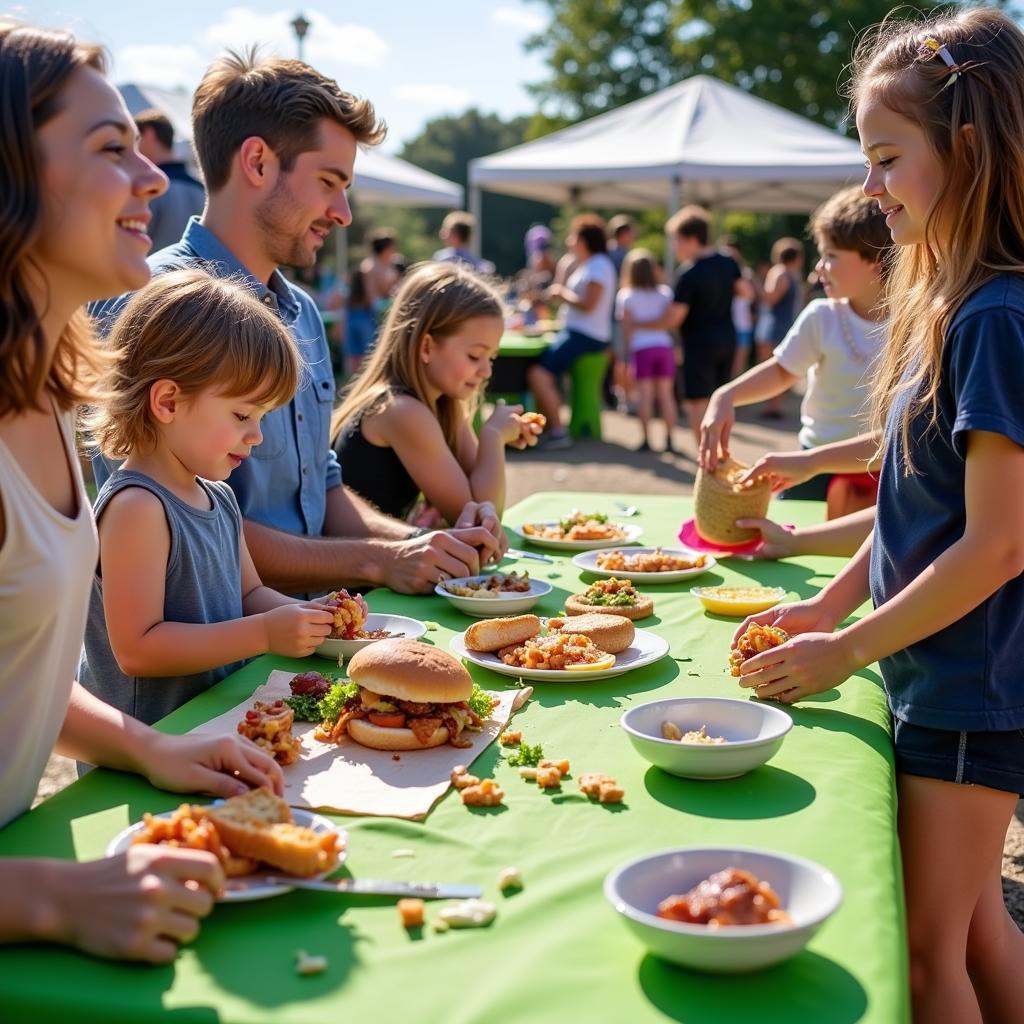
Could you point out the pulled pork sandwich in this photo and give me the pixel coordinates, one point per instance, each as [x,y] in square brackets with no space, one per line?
[411,696]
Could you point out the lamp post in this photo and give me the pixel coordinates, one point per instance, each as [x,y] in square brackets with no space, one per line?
[300,26]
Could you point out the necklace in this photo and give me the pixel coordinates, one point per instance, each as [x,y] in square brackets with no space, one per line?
[843,312]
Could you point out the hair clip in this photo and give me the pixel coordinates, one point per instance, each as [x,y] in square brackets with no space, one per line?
[929,47]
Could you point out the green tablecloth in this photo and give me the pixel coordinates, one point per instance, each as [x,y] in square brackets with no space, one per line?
[556,952]
[513,343]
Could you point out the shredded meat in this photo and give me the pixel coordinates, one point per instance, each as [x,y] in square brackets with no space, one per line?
[424,728]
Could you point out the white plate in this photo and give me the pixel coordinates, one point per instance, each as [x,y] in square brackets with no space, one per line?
[647,647]
[401,626]
[633,534]
[248,887]
[588,563]
[487,607]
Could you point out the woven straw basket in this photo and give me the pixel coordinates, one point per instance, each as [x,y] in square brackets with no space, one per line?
[719,503]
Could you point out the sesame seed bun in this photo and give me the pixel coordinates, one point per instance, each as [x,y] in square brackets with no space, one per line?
[410,670]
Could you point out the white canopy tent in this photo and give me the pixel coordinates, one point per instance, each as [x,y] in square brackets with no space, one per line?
[699,141]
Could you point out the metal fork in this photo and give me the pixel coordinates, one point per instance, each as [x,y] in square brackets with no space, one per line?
[627,510]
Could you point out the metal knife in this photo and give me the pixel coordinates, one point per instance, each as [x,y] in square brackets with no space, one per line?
[516,553]
[377,887]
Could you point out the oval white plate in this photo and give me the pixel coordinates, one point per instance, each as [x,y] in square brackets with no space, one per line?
[633,534]
[487,607]
[401,626]
[647,647]
[587,561]
[248,887]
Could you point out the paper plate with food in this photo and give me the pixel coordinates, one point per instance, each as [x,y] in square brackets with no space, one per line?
[579,531]
[356,627]
[255,836]
[577,649]
[496,593]
[646,565]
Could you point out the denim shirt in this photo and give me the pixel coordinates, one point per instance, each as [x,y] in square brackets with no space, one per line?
[284,484]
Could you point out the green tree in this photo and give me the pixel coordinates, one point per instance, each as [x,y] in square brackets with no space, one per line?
[445,146]
[604,53]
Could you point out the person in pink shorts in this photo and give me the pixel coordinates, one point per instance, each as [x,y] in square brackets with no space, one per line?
[650,351]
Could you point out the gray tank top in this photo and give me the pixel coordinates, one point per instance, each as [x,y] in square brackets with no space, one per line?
[204,584]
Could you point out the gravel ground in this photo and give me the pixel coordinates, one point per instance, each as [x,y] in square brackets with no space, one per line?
[614,465]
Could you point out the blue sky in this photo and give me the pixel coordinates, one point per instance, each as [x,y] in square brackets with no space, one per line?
[415,59]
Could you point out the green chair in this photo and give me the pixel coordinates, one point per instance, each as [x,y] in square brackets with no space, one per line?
[587,376]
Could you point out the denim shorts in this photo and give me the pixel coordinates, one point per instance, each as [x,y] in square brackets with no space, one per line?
[993,759]
[567,348]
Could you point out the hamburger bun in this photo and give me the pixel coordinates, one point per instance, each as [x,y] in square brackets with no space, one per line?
[493,634]
[612,633]
[381,738]
[410,670]
[644,606]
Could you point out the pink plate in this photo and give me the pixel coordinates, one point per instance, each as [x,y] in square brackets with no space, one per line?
[689,536]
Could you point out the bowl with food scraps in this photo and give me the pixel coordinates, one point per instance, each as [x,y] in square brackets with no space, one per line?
[706,737]
[493,594]
[724,910]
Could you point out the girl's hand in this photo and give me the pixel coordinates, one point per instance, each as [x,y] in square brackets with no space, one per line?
[140,905]
[714,433]
[809,663]
[221,766]
[505,422]
[810,616]
[777,541]
[296,630]
[785,469]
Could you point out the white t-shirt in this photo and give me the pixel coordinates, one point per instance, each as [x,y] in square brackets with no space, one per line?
[837,360]
[598,321]
[644,304]
[742,314]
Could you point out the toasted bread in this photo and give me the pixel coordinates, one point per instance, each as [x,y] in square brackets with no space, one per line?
[493,634]
[259,825]
[611,633]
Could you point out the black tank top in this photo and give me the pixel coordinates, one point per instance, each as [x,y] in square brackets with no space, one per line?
[375,473]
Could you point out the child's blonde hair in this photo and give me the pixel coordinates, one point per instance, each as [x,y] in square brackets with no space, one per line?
[982,191]
[434,299]
[200,332]
[639,269]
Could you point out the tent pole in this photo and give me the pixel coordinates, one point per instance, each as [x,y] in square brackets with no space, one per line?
[673,205]
[476,210]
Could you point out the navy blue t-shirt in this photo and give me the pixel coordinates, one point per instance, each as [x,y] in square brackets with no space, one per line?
[969,676]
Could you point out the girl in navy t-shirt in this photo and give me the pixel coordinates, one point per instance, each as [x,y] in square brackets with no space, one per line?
[940,112]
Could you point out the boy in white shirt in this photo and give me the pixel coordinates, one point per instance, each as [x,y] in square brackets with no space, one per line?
[833,341]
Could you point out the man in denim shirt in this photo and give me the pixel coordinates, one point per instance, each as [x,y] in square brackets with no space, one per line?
[277,141]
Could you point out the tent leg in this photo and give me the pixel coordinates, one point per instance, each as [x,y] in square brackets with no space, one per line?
[476,209]
[673,205]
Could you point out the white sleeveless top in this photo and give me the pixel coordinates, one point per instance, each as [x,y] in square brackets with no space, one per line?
[46,567]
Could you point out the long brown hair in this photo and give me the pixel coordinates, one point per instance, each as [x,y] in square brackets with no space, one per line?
[35,67]
[982,190]
[201,332]
[434,299]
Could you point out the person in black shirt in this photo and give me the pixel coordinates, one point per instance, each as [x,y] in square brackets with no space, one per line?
[703,297]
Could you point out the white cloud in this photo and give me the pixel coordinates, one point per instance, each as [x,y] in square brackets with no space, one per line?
[434,95]
[327,41]
[162,65]
[519,18]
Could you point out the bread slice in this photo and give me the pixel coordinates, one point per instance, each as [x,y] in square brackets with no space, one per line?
[259,825]
[493,634]
[611,633]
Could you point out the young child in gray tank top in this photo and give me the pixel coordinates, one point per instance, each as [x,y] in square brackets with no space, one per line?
[176,602]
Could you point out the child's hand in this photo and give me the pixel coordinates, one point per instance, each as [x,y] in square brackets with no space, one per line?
[777,541]
[809,663]
[296,630]
[506,423]
[714,433]
[785,469]
[810,616]
[140,905]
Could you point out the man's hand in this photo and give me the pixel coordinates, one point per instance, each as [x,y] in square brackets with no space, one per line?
[485,515]
[416,565]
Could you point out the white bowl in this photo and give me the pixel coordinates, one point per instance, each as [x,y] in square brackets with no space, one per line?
[808,893]
[487,607]
[753,731]
[401,627]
